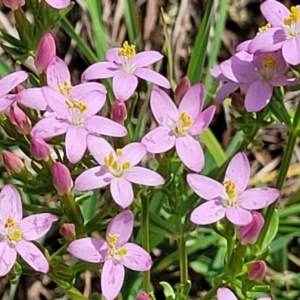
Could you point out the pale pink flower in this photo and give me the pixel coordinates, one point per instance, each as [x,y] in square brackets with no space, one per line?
[14,4]
[117,169]
[180,126]
[58,4]
[226,294]
[17,233]
[115,252]
[124,65]
[230,198]
[74,111]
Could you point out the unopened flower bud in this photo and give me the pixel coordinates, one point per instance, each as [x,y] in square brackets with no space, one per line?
[20,121]
[119,112]
[181,89]
[14,4]
[62,180]
[67,230]
[248,234]
[45,53]
[159,156]
[12,162]
[143,296]
[257,270]
[39,149]
[238,100]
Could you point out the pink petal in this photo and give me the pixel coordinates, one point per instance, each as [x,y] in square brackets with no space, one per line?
[57,73]
[75,143]
[225,294]
[36,226]
[33,256]
[94,178]
[192,102]
[10,204]
[258,95]
[208,213]
[112,278]
[56,101]
[243,46]
[10,81]
[7,101]
[274,12]
[121,191]
[140,175]
[285,81]
[289,49]
[159,140]
[89,249]
[190,152]
[113,56]
[58,4]
[99,148]
[122,225]
[163,108]
[203,120]
[153,77]
[8,257]
[32,98]
[124,85]
[225,90]
[238,171]
[146,58]
[205,187]
[136,259]
[50,127]
[105,126]
[134,152]
[258,198]
[238,216]
[100,70]
[80,90]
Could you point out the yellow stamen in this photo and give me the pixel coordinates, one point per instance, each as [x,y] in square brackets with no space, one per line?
[269,61]
[126,165]
[294,16]
[16,235]
[184,123]
[265,27]
[112,240]
[115,165]
[10,223]
[120,152]
[122,251]
[230,187]
[81,106]
[127,50]
[65,88]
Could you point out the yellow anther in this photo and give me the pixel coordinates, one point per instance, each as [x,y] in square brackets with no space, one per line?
[269,61]
[112,240]
[81,106]
[109,160]
[120,152]
[230,187]
[115,165]
[69,104]
[186,119]
[16,235]
[265,27]
[122,251]
[127,50]
[10,223]
[126,165]
[294,16]
[65,88]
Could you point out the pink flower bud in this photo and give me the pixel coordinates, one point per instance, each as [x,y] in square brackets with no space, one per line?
[67,230]
[39,149]
[119,112]
[159,156]
[248,234]
[45,53]
[14,4]
[19,120]
[12,162]
[143,296]
[181,89]
[62,180]
[257,270]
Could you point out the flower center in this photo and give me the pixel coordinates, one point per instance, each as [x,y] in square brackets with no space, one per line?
[292,22]
[183,124]
[231,199]
[76,110]
[12,232]
[264,28]
[127,50]
[268,67]
[115,165]
[115,252]
[65,88]
[126,53]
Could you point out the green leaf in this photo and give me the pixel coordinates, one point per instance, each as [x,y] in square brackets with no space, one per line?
[10,39]
[132,22]
[272,230]
[168,290]
[89,206]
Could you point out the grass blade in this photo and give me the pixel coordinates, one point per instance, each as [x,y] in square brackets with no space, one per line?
[132,23]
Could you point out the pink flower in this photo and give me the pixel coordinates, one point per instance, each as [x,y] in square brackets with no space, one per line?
[183,86]
[58,4]
[39,149]
[117,169]
[12,162]
[62,179]
[119,112]
[124,65]
[75,109]
[180,126]
[115,252]
[20,121]
[230,199]
[7,84]
[284,33]
[225,294]
[17,233]
[257,270]
[14,4]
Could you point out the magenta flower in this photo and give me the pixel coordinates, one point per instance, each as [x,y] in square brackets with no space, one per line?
[230,199]
[17,233]
[117,169]
[124,65]
[115,252]
[179,126]
[256,75]
[284,33]
[75,110]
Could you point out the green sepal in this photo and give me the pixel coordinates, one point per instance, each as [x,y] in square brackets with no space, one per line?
[168,290]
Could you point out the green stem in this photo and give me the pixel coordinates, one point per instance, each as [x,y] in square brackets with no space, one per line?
[282,172]
[145,239]
[210,295]
[183,262]
[230,246]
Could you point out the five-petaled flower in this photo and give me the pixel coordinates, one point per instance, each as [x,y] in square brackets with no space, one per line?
[117,168]
[230,199]
[124,65]
[17,233]
[115,252]
[178,126]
